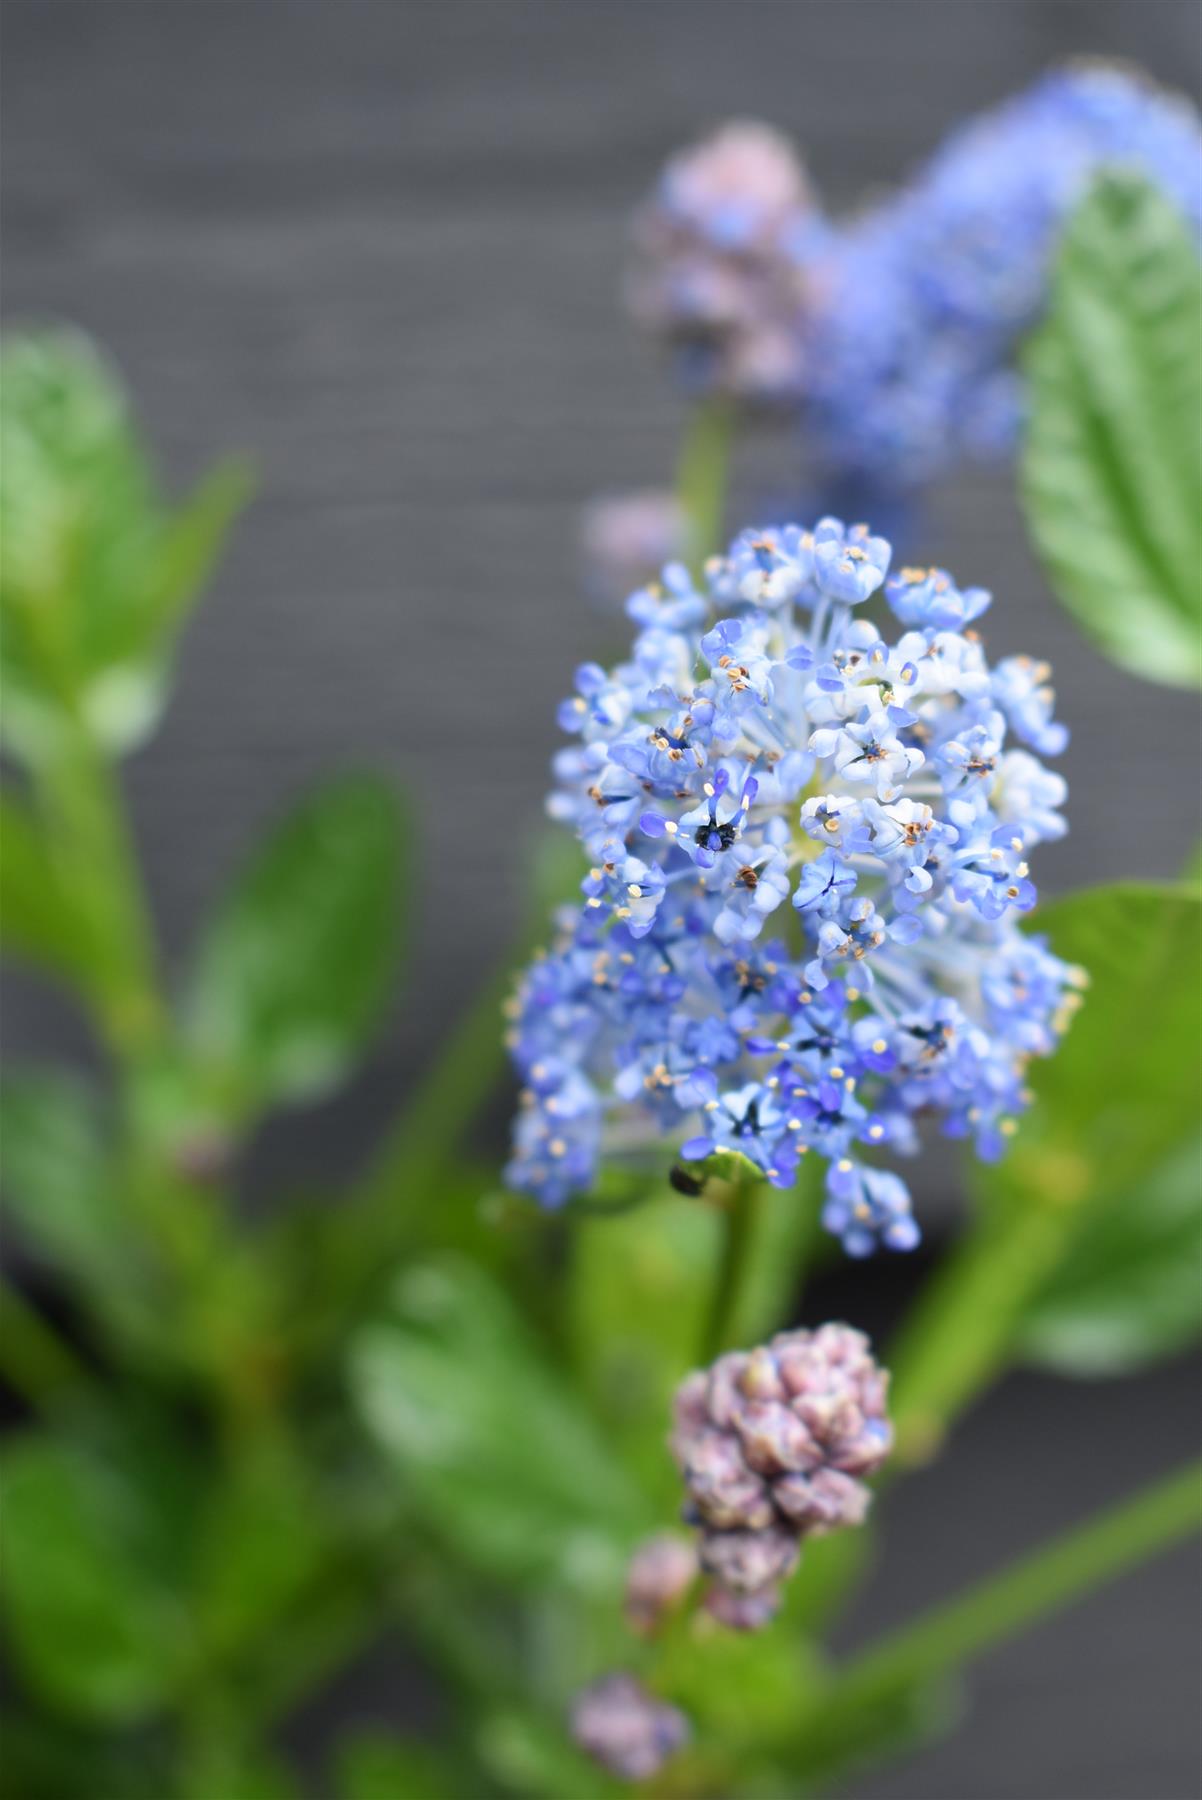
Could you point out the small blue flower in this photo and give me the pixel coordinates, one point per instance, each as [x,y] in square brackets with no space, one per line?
[849,564]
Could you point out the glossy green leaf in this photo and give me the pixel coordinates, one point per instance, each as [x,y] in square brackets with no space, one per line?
[1112,465]
[293,970]
[93,1623]
[97,571]
[498,1454]
[1132,1290]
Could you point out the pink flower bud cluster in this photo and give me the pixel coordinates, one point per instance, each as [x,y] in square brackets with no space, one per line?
[773,1444]
[624,1728]
[722,252]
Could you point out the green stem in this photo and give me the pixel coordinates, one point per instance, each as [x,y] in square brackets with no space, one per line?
[90,834]
[701,478]
[1051,1577]
[34,1360]
[739,1208]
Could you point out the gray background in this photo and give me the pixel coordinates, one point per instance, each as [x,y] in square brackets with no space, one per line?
[377,246]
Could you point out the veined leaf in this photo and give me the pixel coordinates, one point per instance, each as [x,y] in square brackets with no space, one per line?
[293,969]
[1112,466]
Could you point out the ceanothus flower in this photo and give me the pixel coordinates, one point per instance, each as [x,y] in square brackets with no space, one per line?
[918,308]
[808,862]
[894,331]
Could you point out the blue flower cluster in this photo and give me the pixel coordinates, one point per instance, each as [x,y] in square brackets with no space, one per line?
[925,298]
[808,849]
[895,329]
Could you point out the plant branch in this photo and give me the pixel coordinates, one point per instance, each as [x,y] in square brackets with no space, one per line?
[1071,1566]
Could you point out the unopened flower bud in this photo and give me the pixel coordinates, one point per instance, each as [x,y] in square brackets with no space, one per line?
[772,1444]
[660,1574]
[625,1729]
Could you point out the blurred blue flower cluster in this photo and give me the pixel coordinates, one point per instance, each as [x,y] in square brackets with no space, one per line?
[766,756]
[896,329]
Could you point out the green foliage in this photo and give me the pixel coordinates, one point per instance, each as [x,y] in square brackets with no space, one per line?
[97,571]
[95,1618]
[39,920]
[494,1450]
[293,968]
[374,1766]
[1131,1292]
[1120,1093]
[58,1185]
[1112,466]
[640,1284]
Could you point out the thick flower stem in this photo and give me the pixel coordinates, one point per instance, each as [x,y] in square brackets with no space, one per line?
[701,478]
[1071,1566]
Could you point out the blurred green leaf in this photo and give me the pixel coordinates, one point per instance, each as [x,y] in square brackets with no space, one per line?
[640,1290]
[292,971]
[1120,1092]
[499,1455]
[261,1539]
[48,1757]
[94,1623]
[375,1766]
[1132,1290]
[39,921]
[1112,466]
[234,1771]
[55,1176]
[533,1758]
[96,571]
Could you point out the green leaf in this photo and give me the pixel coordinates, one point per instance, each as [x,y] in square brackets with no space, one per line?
[261,1539]
[1120,1092]
[1103,1156]
[640,1289]
[94,1625]
[39,921]
[293,970]
[498,1455]
[1112,465]
[375,1766]
[96,571]
[56,1179]
[1130,1293]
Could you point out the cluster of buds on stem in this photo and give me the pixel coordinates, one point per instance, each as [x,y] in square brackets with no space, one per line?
[773,1445]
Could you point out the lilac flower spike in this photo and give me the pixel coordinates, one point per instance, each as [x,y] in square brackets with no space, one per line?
[773,1444]
[808,855]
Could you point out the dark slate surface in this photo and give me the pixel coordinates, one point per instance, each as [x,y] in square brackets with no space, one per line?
[377,246]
